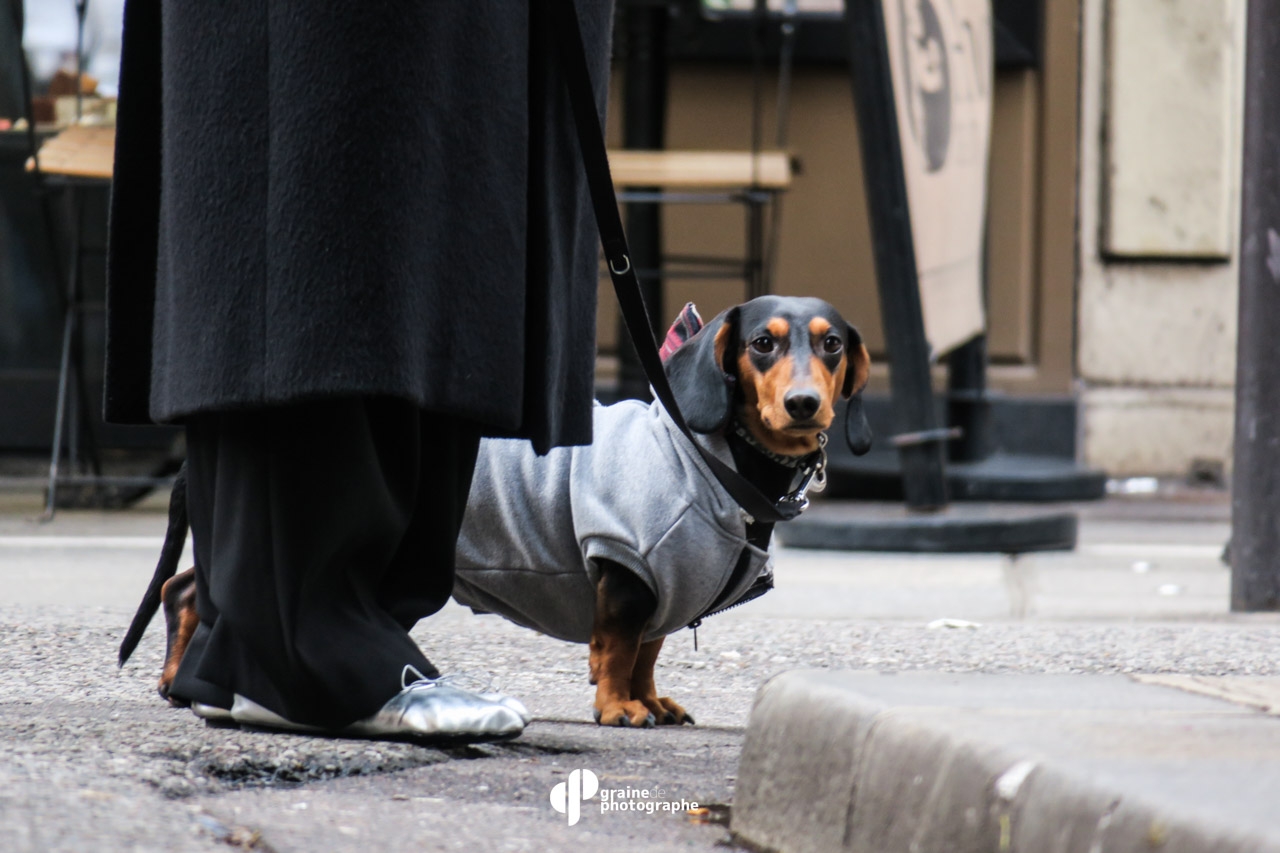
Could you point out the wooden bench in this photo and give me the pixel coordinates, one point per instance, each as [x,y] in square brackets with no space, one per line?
[80,151]
[701,170]
[708,177]
[80,157]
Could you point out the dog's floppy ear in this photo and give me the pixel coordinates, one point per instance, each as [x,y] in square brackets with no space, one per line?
[857,364]
[857,368]
[700,374]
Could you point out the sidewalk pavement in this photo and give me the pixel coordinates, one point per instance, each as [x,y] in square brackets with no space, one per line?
[91,759]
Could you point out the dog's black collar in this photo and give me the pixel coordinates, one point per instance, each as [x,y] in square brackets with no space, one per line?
[811,467]
[808,460]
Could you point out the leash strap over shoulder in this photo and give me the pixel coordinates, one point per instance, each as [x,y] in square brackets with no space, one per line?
[625,283]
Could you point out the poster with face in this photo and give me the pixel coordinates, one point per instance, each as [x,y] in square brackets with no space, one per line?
[940,54]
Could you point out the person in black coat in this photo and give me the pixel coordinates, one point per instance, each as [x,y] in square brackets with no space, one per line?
[347,240]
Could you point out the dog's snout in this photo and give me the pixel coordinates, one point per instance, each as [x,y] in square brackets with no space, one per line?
[801,405]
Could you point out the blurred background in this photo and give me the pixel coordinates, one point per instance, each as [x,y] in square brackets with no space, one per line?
[1111,232]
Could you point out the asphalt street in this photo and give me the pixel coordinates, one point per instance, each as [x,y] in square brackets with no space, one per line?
[92,759]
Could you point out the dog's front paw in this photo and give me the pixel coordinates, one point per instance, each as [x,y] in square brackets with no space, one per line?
[164,688]
[667,712]
[165,685]
[629,713]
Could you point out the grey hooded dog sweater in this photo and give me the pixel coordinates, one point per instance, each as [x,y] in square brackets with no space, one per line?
[536,527]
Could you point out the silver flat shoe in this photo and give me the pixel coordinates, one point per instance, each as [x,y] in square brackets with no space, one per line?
[480,686]
[212,713]
[431,710]
[435,710]
[247,712]
[511,702]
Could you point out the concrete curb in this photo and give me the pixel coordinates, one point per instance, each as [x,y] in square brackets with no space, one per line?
[832,763]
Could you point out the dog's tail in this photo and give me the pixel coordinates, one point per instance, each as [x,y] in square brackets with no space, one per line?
[175,540]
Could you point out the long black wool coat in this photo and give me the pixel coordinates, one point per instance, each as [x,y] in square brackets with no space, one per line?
[325,197]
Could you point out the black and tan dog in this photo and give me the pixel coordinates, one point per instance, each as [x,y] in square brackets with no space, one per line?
[759,384]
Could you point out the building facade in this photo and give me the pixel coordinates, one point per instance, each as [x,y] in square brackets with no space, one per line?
[1113,199]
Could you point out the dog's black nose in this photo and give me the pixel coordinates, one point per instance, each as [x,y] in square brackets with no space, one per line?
[801,405]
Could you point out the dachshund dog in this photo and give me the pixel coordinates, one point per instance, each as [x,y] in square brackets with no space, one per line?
[631,538]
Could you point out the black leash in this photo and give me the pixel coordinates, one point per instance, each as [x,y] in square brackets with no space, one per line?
[596,162]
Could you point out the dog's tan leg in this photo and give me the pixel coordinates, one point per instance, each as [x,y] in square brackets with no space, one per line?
[615,642]
[665,711]
[614,705]
[178,597]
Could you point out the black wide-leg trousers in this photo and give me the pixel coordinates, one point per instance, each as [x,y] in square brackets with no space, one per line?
[323,531]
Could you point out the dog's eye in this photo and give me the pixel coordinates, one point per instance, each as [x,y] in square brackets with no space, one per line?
[763,344]
[832,344]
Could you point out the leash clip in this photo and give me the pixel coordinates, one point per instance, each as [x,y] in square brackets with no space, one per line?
[815,479]
[819,484]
